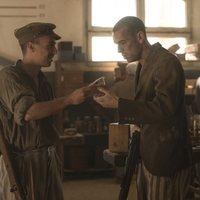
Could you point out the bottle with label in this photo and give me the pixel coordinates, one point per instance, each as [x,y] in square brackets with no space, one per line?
[87,124]
[79,125]
[98,124]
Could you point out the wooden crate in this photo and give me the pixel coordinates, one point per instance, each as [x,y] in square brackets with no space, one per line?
[190,85]
[119,137]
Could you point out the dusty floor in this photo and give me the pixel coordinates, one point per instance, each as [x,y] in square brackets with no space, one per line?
[91,189]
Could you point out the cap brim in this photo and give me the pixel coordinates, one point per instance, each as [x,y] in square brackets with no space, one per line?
[56,36]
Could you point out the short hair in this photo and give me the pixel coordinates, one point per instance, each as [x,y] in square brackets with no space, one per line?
[24,46]
[133,24]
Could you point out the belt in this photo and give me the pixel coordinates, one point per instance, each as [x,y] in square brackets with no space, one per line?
[48,149]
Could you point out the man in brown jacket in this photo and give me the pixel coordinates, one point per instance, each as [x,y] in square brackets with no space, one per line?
[158,109]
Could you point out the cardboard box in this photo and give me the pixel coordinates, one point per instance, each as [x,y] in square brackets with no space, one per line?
[119,135]
[193,56]
[192,48]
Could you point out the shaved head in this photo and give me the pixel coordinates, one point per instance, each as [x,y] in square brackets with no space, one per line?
[133,25]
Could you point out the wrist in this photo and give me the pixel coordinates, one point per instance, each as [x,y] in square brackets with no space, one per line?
[67,100]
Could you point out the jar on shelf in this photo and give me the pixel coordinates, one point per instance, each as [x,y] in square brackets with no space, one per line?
[97,124]
[79,125]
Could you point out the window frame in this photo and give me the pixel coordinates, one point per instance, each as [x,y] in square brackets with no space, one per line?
[151,31]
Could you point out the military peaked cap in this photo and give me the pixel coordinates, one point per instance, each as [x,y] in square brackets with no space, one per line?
[34,30]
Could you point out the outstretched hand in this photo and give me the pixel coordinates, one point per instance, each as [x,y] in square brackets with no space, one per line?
[79,95]
[106,99]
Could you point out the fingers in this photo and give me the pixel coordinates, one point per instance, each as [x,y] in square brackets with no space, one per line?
[78,96]
[87,91]
[99,99]
[101,96]
[99,91]
[103,90]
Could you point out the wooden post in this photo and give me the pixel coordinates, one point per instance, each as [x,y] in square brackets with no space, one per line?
[14,186]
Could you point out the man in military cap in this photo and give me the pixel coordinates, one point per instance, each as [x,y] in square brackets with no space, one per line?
[28,108]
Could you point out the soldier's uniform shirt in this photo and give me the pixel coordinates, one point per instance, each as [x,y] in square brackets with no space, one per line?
[31,143]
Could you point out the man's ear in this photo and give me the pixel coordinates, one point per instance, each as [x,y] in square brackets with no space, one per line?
[141,37]
[31,46]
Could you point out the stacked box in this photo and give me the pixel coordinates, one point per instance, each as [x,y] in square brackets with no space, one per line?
[65,51]
[192,52]
[119,135]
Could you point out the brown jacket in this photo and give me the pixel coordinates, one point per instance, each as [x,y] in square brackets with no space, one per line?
[159,108]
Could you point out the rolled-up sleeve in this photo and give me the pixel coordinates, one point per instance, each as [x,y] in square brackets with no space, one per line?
[21,107]
[15,96]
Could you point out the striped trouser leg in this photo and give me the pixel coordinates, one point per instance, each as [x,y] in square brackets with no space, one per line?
[150,187]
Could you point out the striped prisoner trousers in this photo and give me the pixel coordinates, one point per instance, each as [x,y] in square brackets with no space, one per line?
[150,187]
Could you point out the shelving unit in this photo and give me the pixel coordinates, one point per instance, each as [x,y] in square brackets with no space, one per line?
[83,156]
[82,153]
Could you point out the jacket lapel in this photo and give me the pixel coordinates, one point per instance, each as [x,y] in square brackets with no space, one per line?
[137,75]
[145,71]
[141,78]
